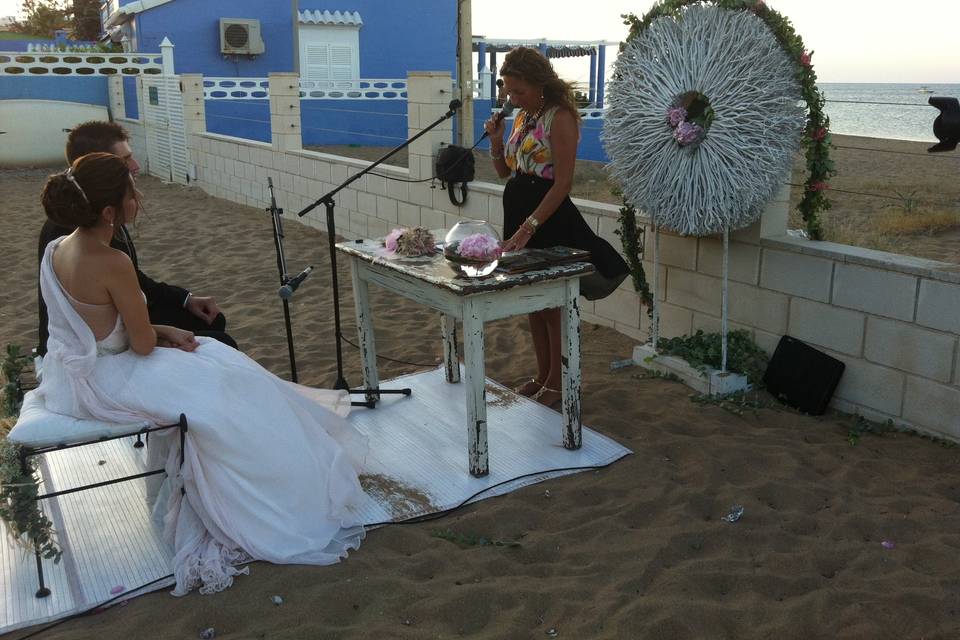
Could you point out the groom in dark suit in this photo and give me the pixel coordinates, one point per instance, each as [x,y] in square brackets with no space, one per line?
[166,303]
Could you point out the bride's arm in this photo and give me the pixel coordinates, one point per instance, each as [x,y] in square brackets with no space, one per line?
[168,336]
[122,284]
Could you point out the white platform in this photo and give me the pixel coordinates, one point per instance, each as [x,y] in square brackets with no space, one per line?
[418,465]
[710,382]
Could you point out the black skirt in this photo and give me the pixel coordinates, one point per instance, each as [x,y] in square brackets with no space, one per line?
[566,228]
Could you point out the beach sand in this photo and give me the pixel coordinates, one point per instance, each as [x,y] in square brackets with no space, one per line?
[636,550]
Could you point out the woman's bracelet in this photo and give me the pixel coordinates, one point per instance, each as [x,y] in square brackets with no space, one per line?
[496,157]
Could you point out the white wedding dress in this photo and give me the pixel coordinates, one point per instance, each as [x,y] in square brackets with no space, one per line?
[269,470]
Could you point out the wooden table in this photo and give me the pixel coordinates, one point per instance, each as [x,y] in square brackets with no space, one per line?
[472,301]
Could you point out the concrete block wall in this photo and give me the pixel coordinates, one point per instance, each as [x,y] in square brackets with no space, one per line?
[893,320]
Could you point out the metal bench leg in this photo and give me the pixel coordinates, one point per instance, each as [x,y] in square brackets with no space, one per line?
[139,443]
[42,590]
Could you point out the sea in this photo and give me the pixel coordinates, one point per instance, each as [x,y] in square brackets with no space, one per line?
[857,109]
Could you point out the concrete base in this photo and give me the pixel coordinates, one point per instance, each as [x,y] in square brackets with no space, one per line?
[711,382]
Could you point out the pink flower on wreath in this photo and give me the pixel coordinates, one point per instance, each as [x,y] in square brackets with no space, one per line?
[687,133]
[819,134]
[676,115]
[818,186]
[805,58]
[480,246]
[390,242]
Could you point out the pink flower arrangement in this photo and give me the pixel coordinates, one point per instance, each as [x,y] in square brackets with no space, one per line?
[479,246]
[805,58]
[410,242]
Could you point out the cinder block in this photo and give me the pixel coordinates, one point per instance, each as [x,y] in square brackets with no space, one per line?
[323,172]
[693,290]
[399,191]
[408,215]
[883,293]
[432,219]
[377,228]
[674,321]
[797,274]
[377,185]
[826,326]
[676,251]
[496,210]
[712,324]
[387,209]
[905,346]
[932,405]
[367,203]
[477,206]
[938,306]
[620,306]
[766,341]
[870,385]
[243,154]
[421,194]
[956,368]
[759,308]
[606,228]
[346,199]
[744,260]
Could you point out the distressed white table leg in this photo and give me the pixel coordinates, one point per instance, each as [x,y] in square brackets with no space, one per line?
[368,345]
[570,365]
[448,329]
[474,389]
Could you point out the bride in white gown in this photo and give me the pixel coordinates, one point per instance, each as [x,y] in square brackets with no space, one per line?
[269,467]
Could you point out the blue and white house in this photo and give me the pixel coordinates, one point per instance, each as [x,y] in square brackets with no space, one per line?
[344,52]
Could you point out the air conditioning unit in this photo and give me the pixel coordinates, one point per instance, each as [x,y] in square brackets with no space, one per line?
[240,36]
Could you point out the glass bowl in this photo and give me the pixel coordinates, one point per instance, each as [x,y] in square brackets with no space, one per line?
[471,266]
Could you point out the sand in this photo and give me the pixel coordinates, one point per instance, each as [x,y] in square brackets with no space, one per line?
[637,550]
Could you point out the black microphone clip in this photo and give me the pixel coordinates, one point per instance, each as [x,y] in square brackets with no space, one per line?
[286,291]
[453,106]
[947,125]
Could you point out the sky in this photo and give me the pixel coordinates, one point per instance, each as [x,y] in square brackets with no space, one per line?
[853,40]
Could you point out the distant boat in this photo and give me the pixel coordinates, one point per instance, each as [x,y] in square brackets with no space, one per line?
[925,90]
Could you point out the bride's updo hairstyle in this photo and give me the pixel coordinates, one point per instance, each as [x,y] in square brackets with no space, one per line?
[531,66]
[77,196]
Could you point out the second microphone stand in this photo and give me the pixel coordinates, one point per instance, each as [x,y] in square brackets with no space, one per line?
[275,214]
[328,201]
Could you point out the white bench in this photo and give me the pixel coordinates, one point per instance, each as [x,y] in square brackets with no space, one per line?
[39,431]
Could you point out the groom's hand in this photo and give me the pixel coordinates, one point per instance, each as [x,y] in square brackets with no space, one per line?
[204,307]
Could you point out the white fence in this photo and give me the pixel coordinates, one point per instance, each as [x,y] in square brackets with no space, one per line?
[83,64]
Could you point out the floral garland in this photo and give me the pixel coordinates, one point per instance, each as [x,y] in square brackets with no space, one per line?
[816,138]
[410,242]
[26,523]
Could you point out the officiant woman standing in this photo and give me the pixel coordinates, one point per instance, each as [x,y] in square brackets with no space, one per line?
[540,154]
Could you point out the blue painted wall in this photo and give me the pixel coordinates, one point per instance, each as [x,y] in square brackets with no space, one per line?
[367,123]
[248,119]
[66,89]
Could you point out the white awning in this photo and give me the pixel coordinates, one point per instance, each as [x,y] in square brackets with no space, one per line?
[127,11]
[342,18]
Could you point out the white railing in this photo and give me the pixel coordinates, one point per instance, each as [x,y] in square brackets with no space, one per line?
[236,88]
[13,63]
[369,89]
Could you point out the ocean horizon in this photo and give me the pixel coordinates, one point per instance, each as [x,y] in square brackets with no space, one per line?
[858,109]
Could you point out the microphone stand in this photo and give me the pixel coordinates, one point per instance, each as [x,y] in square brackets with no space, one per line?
[327,200]
[275,214]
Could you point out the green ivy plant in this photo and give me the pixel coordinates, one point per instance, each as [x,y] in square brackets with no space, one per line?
[632,239]
[704,350]
[26,523]
[816,139]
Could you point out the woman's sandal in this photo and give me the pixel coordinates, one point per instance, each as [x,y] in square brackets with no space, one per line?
[529,388]
[553,405]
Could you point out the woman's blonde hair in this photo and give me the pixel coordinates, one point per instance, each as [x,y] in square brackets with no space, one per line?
[534,68]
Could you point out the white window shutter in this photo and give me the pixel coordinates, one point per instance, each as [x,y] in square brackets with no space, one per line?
[316,66]
[341,63]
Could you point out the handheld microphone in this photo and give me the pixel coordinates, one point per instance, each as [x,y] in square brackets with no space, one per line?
[286,291]
[505,111]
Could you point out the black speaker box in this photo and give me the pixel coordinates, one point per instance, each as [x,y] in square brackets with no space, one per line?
[801,376]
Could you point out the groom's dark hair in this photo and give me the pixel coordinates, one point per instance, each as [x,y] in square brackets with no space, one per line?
[94,136]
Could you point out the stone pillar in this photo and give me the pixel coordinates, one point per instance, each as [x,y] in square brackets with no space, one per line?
[118,106]
[285,112]
[194,117]
[428,94]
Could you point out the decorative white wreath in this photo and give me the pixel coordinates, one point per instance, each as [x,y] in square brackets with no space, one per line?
[700,182]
